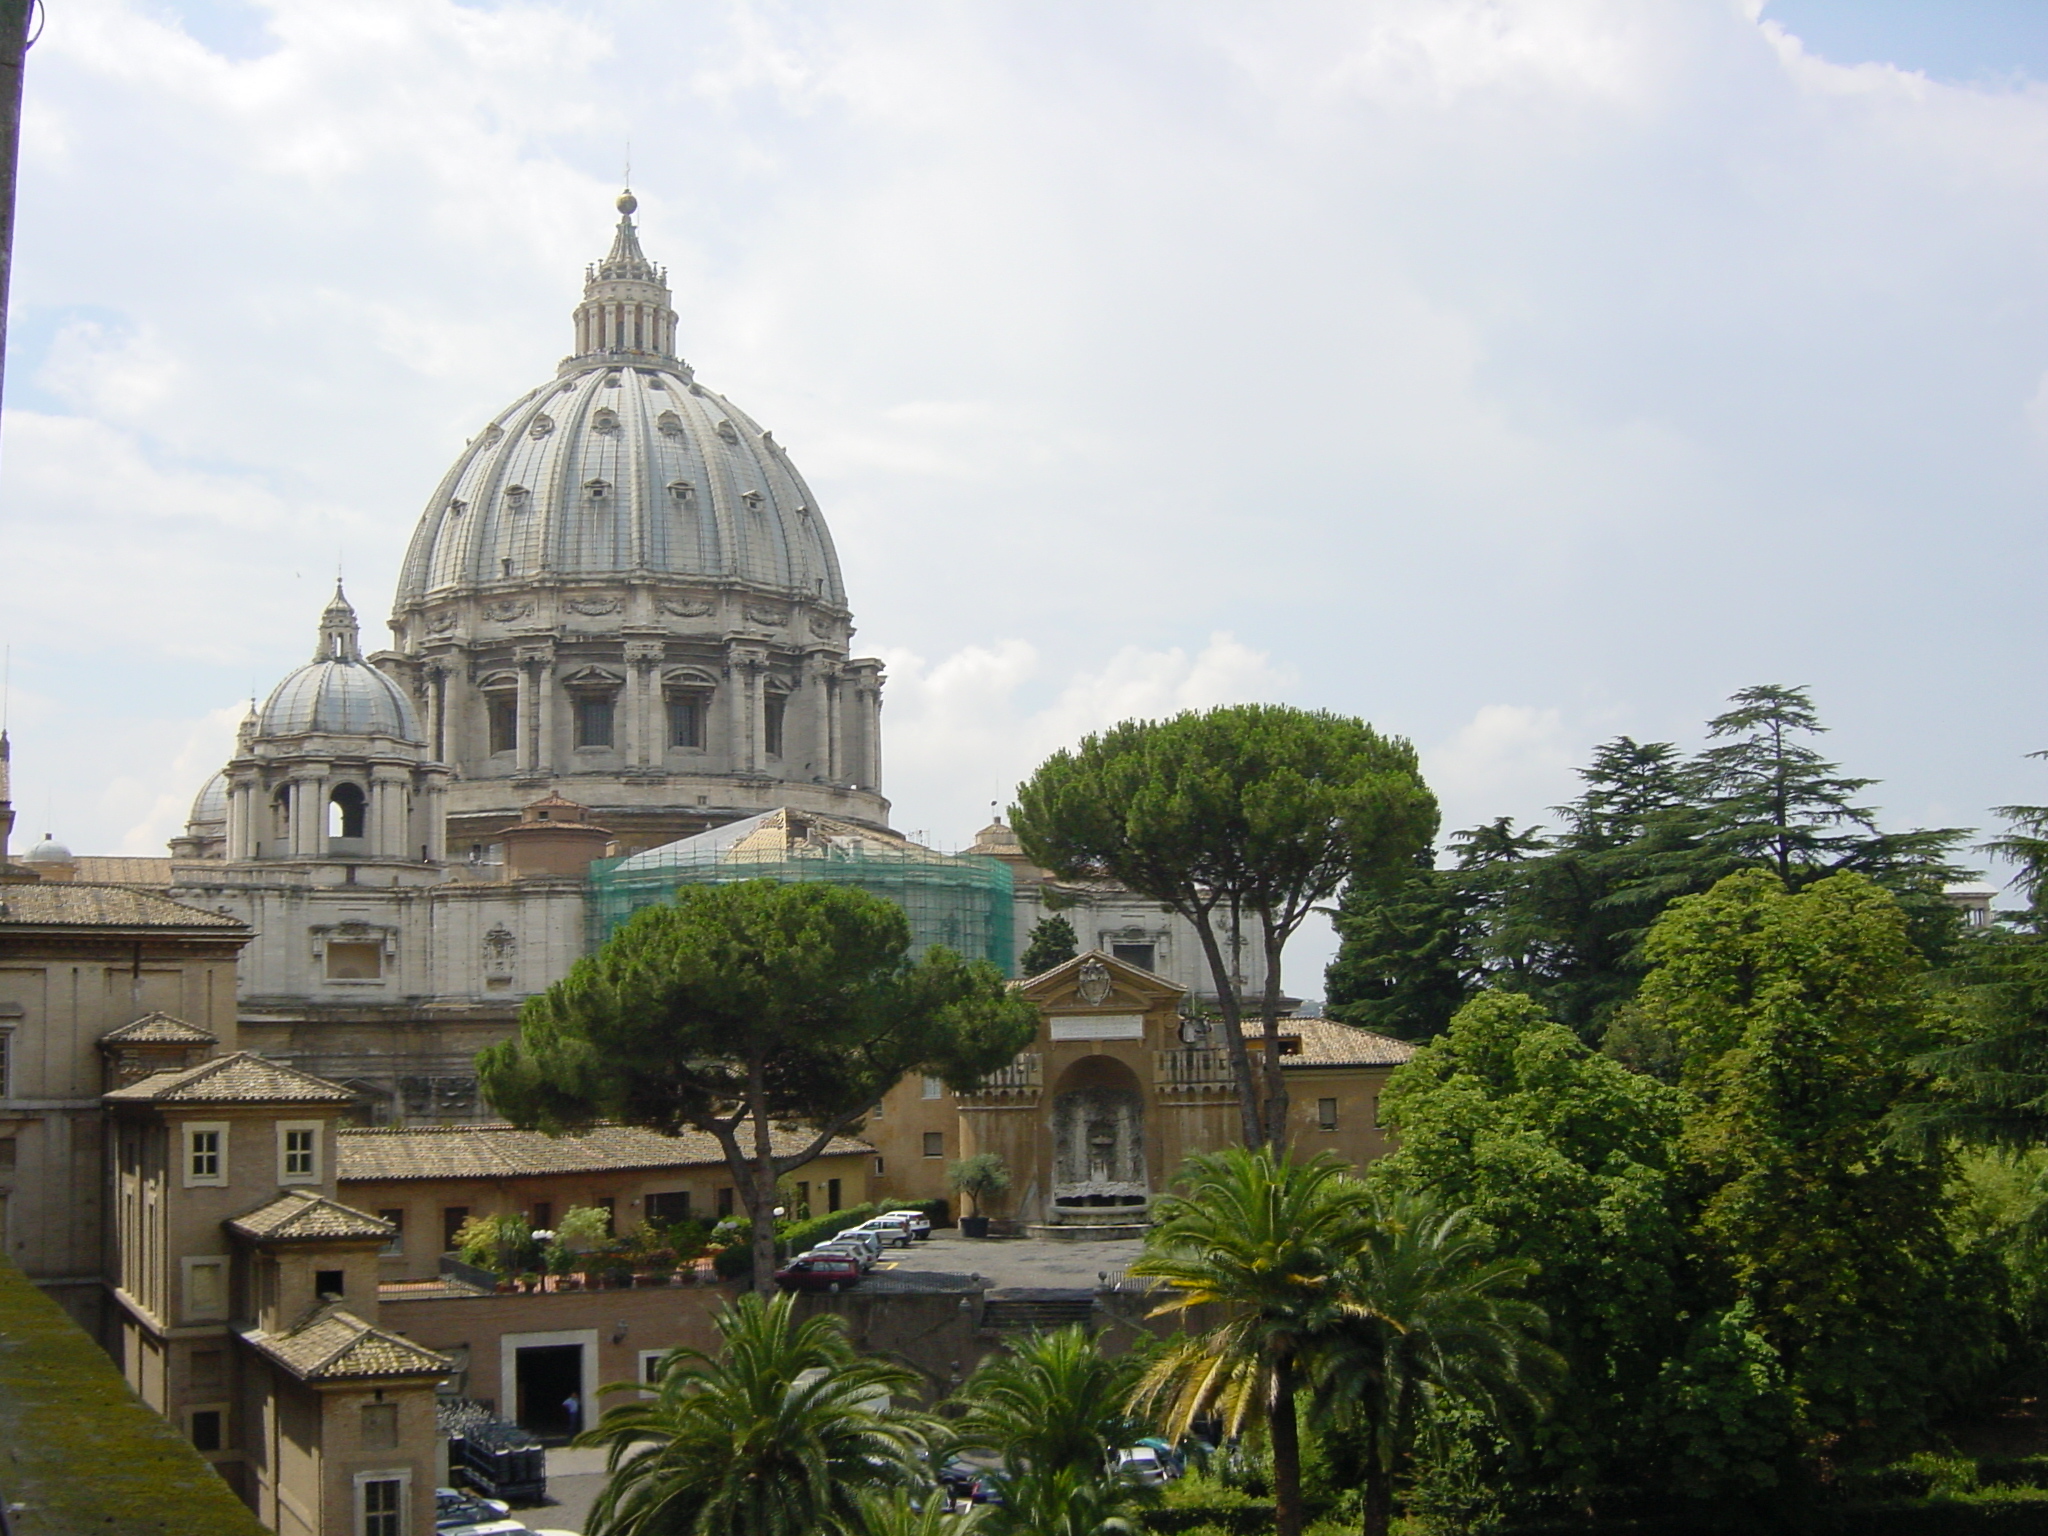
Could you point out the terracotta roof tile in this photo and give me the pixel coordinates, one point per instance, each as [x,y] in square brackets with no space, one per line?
[336,1345]
[302,1216]
[243,1078]
[123,869]
[1326,1043]
[502,1151]
[159,1029]
[73,905]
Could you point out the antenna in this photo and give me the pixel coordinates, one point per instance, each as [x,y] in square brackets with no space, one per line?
[6,683]
[629,165]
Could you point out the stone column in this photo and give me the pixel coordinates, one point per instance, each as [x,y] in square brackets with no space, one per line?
[818,682]
[537,692]
[645,738]
[430,799]
[523,710]
[241,825]
[835,726]
[389,828]
[309,814]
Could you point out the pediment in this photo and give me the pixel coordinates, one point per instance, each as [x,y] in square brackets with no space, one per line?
[1095,982]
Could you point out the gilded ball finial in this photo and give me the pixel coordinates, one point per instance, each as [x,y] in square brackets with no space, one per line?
[628,202]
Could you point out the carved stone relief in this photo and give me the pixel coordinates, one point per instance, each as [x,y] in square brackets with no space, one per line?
[685,608]
[507,609]
[761,613]
[593,606]
[1093,982]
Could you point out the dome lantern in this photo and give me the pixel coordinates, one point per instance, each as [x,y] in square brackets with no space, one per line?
[626,310]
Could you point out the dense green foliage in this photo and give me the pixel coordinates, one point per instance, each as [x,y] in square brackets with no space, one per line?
[979,1176]
[1243,820]
[786,1432]
[1053,942]
[1375,1311]
[741,1007]
[1562,915]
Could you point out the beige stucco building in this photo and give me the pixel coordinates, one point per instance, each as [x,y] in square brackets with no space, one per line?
[1121,1084]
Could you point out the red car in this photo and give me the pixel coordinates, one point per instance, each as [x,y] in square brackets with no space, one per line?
[819,1272]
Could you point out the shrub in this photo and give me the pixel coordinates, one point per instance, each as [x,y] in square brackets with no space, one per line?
[799,1235]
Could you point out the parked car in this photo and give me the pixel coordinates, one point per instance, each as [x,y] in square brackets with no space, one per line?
[920,1224]
[454,1507]
[488,1528]
[969,1484]
[868,1240]
[894,1230]
[819,1272]
[860,1253]
[1141,1464]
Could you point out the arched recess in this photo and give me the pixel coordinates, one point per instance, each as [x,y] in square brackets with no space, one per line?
[1098,1135]
[347,812]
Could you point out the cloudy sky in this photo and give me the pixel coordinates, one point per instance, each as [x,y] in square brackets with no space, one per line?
[1511,374]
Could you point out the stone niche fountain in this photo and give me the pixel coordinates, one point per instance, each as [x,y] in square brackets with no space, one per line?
[1099,1185]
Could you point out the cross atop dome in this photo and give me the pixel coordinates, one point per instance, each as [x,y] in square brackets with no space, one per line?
[625,308]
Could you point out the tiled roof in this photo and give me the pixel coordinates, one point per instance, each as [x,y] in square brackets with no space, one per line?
[159,1029]
[300,1215]
[74,905]
[123,869]
[336,1345]
[501,1151]
[243,1078]
[1326,1043]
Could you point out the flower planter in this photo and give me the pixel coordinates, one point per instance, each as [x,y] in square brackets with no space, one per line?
[974,1226]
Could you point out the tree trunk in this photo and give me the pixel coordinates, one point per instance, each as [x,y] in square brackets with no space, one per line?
[1248,1095]
[1287,1511]
[1379,1501]
[1269,1014]
[761,1197]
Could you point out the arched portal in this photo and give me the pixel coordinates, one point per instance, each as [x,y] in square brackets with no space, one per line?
[1098,1136]
[346,809]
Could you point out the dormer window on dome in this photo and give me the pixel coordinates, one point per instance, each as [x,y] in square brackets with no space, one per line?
[605,421]
[682,490]
[598,489]
[543,424]
[728,431]
[669,424]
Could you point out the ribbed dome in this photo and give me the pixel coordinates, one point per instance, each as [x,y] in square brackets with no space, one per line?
[621,471]
[338,693]
[210,805]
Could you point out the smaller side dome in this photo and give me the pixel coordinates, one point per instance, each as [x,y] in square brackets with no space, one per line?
[210,805]
[48,851]
[338,693]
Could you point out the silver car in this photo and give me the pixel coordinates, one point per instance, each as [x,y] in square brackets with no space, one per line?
[860,1253]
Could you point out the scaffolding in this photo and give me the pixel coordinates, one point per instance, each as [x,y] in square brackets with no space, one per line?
[961,900]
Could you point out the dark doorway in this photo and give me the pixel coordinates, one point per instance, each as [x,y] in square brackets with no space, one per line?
[550,1380]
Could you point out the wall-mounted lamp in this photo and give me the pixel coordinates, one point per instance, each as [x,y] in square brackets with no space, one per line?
[619,1331]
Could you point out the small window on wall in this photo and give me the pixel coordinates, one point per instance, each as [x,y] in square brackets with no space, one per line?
[396,1247]
[298,1152]
[328,1285]
[934,1088]
[380,1503]
[934,1143]
[773,707]
[1326,1114]
[543,1217]
[6,1063]
[452,1218]
[503,710]
[609,1205]
[355,960]
[725,1201]
[208,1429]
[881,1165]
[206,1154]
[594,721]
[7,1154]
[669,1205]
[686,722]
[1140,955]
[831,1195]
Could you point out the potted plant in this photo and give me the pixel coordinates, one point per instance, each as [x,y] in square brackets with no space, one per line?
[500,1244]
[978,1178]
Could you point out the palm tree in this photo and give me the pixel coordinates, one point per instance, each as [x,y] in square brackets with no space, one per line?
[905,1514]
[1066,1501]
[1424,1315]
[1054,1401]
[781,1435]
[1259,1240]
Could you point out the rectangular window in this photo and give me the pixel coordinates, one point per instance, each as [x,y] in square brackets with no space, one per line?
[328,1285]
[543,1218]
[1143,956]
[380,1426]
[206,1154]
[298,1152]
[594,721]
[881,1166]
[396,1246]
[7,1154]
[380,1504]
[504,716]
[207,1434]
[355,960]
[669,1205]
[452,1218]
[772,709]
[725,1201]
[934,1143]
[1326,1114]
[650,1366]
[6,1063]
[831,1195]
[686,723]
[803,1200]
[934,1088]
[206,1290]
[609,1205]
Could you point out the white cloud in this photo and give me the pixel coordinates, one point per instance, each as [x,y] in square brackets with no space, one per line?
[1508,759]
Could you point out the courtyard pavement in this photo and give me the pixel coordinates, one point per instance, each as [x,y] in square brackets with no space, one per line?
[1014,1263]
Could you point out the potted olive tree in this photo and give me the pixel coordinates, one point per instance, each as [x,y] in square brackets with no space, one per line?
[979,1177]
